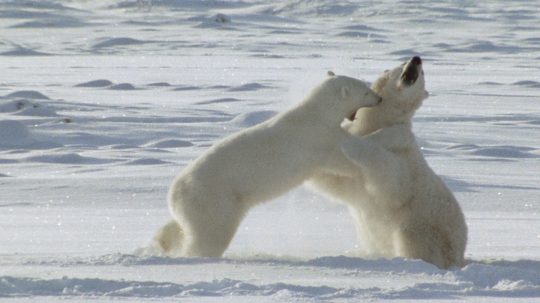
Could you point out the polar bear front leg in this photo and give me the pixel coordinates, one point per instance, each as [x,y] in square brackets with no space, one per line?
[336,186]
[337,163]
[393,138]
[380,168]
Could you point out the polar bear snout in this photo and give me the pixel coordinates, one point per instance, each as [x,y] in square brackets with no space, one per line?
[416,60]
[378,100]
[371,99]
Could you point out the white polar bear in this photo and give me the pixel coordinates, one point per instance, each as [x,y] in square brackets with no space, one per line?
[400,206]
[211,196]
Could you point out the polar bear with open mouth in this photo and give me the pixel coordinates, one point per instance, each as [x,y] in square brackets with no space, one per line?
[211,196]
[400,206]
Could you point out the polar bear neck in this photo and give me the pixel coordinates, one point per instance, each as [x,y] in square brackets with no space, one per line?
[322,107]
[369,120]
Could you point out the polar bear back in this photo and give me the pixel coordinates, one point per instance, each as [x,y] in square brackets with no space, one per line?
[257,164]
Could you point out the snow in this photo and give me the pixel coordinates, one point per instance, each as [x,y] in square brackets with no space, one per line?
[102,103]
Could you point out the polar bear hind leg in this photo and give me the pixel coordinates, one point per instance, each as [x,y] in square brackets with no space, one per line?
[169,238]
[199,228]
[209,221]
[209,234]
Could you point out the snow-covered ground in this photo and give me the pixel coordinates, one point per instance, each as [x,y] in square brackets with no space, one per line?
[102,103]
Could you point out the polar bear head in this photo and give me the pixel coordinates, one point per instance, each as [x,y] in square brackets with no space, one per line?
[402,90]
[339,97]
[403,86]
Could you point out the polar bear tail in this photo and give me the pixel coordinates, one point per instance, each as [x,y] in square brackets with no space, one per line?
[169,239]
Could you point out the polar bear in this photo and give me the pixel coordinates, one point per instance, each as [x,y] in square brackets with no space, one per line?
[211,196]
[401,208]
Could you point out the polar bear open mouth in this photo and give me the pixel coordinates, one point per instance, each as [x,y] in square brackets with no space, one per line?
[352,116]
[411,71]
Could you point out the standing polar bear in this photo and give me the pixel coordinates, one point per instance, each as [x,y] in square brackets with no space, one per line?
[213,193]
[400,206]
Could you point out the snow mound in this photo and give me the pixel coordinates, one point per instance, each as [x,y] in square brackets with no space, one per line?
[67,158]
[26,287]
[519,273]
[14,106]
[22,51]
[122,146]
[248,87]
[24,103]
[504,151]
[35,4]
[63,22]
[480,46]
[527,83]
[146,161]
[14,134]
[186,87]
[217,101]
[408,52]
[495,279]
[361,27]
[314,8]
[159,84]
[38,110]
[28,94]
[122,86]
[95,83]
[121,41]
[253,118]
[497,151]
[99,83]
[383,265]
[169,143]
[359,34]
[25,107]
[490,83]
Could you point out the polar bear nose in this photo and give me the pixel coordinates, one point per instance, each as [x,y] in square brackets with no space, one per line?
[416,60]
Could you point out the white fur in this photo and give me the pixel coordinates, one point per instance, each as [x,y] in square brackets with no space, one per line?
[210,197]
[400,206]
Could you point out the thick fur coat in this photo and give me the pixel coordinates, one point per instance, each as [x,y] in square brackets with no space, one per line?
[211,196]
[401,208]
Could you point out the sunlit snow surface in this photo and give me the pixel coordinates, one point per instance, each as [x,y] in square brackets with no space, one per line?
[102,103]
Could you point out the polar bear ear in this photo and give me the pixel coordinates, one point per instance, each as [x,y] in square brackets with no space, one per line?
[345,92]
[330,73]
